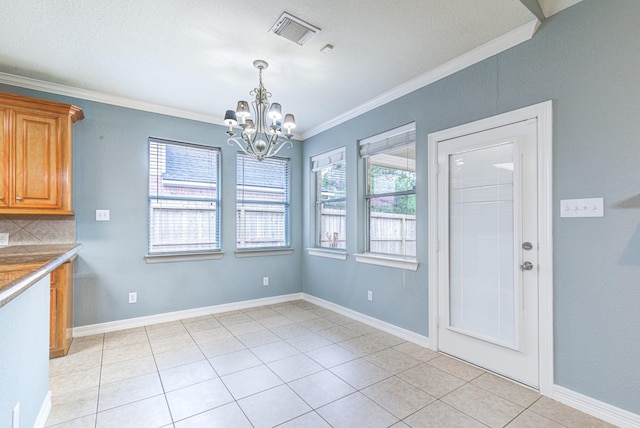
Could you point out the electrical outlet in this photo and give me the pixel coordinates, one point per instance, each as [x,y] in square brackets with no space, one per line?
[4,239]
[133,297]
[265,280]
[102,215]
[370,296]
[16,416]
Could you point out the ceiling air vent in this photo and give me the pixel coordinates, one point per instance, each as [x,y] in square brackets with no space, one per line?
[294,29]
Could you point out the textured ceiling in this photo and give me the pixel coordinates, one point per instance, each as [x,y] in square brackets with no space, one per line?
[196,56]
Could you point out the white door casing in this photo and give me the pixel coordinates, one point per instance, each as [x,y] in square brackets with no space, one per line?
[446,142]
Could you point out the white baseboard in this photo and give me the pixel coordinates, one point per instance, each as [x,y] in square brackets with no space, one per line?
[407,335]
[43,414]
[106,327]
[593,407]
[88,330]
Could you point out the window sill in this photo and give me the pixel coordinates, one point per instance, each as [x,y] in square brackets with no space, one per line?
[330,254]
[387,261]
[169,258]
[264,252]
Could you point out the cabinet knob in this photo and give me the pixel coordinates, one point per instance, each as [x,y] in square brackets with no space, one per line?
[1,198]
[18,198]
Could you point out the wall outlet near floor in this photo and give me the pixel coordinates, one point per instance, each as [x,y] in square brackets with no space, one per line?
[133,297]
[4,239]
[370,296]
[265,280]
[16,416]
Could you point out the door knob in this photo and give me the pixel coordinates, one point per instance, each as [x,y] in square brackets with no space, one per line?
[526,266]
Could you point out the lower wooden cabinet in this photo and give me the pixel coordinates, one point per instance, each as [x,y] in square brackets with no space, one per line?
[61,314]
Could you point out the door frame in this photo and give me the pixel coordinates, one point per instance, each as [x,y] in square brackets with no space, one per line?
[543,112]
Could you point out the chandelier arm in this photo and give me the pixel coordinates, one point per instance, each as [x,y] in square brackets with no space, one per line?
[249,141]
[249,138]
[240,145]
[274,139]
[260,108]
[283,144]
[251,146]
[269,151]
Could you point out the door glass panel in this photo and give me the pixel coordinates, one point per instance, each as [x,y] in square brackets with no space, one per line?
[481,233]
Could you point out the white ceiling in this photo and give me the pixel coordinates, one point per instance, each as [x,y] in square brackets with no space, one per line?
[193,58]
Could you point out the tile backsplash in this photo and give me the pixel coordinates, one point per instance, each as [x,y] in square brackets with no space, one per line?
[38,229]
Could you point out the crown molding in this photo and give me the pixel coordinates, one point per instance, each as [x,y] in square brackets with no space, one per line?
[101,97]
[482,52]
[86,94]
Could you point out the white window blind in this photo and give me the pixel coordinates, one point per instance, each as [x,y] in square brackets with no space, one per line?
[184,204]
[394,138]
[262,207]
[390,194]
[324,160]
[331,199]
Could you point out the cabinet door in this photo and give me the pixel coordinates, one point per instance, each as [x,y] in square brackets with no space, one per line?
[61,310]
[4,156]
[37,160]
[54,340]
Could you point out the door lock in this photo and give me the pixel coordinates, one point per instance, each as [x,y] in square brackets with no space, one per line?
[527,246]
[526,266]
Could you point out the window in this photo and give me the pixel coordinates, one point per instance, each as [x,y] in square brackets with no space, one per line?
[262,208]
[184,200]
[331,200]
[390,195]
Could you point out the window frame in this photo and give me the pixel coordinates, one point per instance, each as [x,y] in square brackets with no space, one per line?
[286,203]
[213,252]
[318,163]
[371,146]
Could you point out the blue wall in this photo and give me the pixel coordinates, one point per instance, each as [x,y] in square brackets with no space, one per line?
[111,167]
[24,354]
[587,60]
[111,172]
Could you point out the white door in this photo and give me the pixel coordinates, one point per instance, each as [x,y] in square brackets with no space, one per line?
[488,257]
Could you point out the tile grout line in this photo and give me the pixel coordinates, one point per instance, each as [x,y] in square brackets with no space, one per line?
[155,363]
[95,420]
[283,338]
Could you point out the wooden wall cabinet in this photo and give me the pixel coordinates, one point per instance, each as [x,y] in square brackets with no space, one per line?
[36,155]
[61,313]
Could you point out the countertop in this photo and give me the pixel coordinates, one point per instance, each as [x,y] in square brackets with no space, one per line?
[21,266]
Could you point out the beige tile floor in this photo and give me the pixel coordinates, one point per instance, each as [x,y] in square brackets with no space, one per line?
[291,365]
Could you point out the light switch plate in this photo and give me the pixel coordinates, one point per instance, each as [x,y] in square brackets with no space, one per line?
[102,215]
[4,239]
[592,207]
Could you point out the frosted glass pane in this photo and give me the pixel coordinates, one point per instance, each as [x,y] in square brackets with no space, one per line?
[481,279]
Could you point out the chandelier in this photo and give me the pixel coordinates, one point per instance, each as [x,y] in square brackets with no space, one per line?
[265,137]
